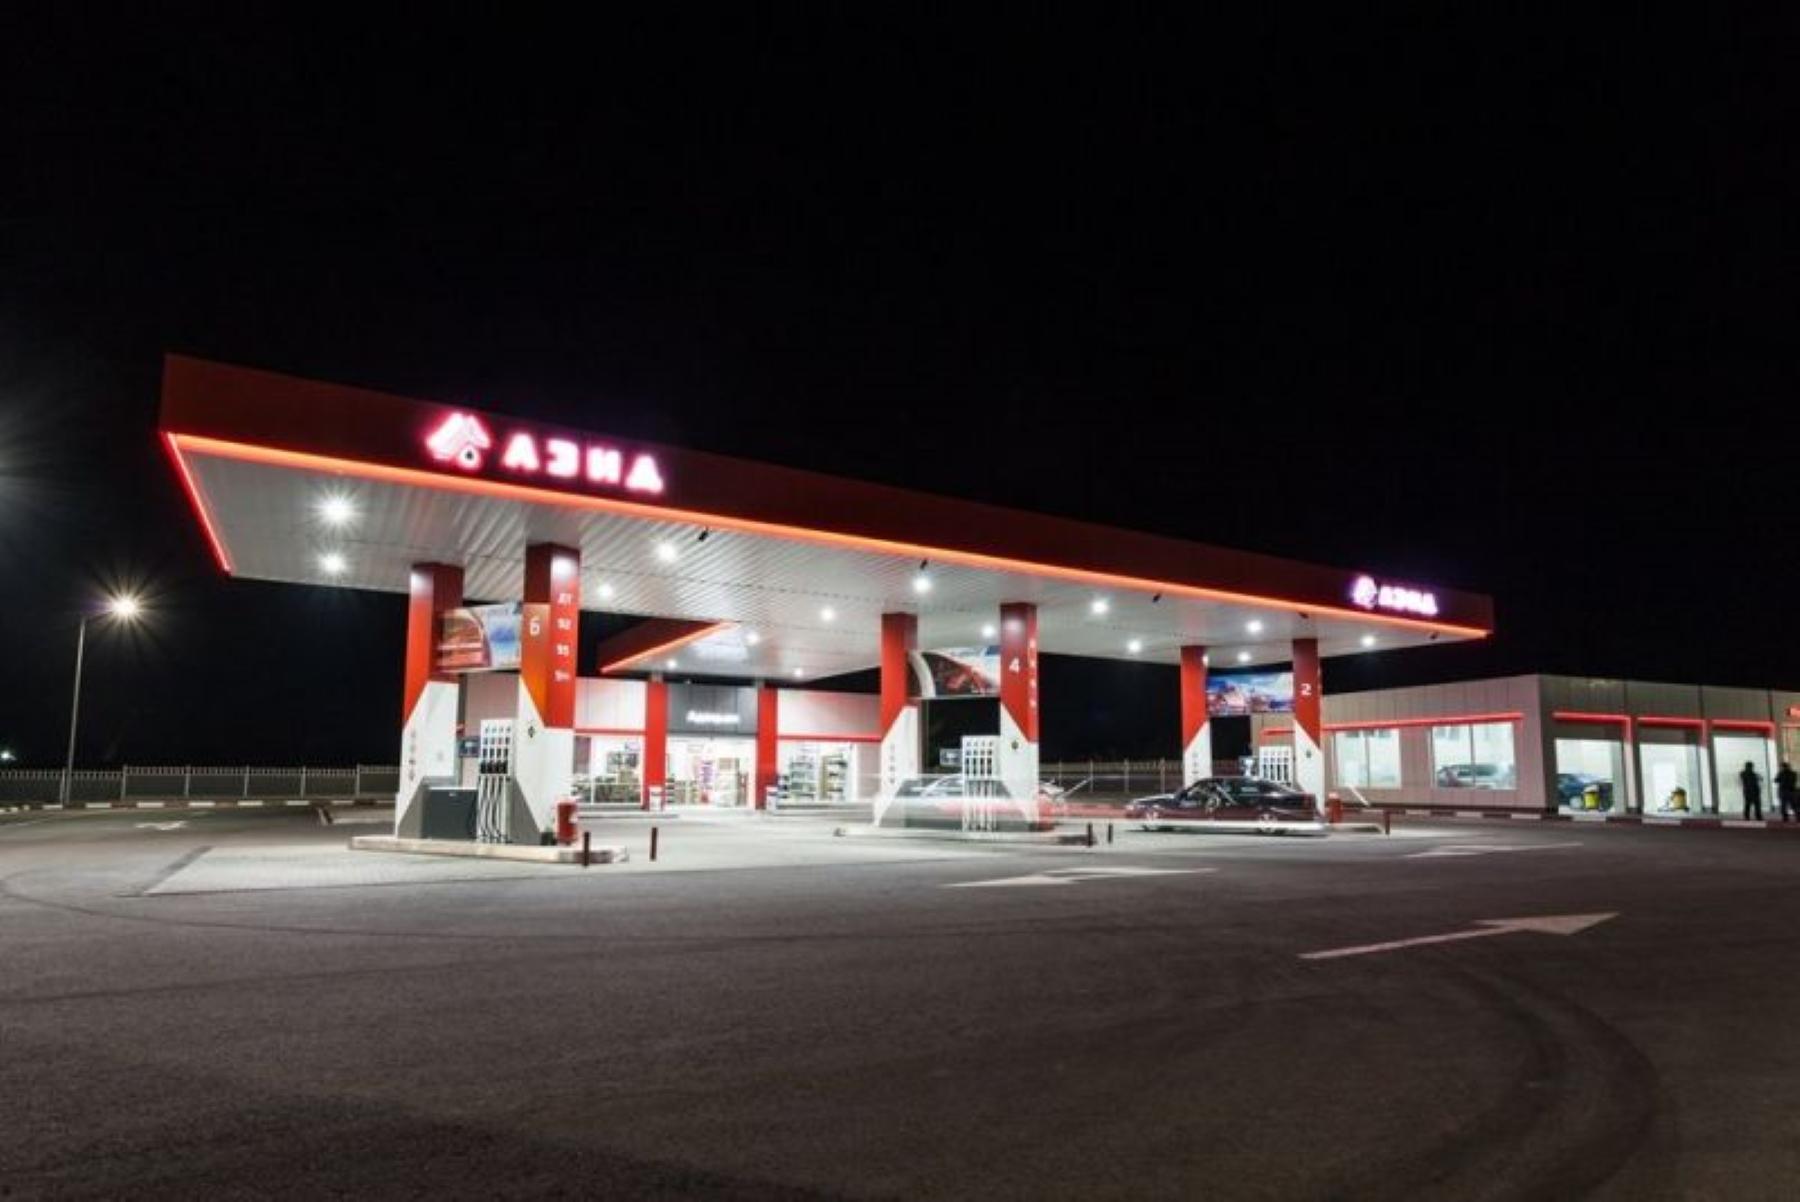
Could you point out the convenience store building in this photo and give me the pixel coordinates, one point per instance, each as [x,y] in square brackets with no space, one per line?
[1546,743]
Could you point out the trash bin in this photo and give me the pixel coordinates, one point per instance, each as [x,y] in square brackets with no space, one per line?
[565,821]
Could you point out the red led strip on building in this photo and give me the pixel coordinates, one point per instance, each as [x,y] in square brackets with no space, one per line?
[1689,723]
[1768,728]
[1578,716]
[1444,720]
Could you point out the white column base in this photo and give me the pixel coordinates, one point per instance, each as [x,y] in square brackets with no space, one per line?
[1018,766]
[427,742]
[1196,757]
[1309,765]
[542,762]
[899,757]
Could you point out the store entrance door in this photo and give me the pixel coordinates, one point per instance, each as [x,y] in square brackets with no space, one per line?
[711,772]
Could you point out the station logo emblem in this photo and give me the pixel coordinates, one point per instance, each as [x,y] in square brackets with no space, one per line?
[463,440]
[1367,593]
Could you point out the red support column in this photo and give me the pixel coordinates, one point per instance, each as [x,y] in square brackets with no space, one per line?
[1196,729]
[656,737]
[1309,733]
[1018,759]
[899,713]
[429,698]
[768,746]
[549,631]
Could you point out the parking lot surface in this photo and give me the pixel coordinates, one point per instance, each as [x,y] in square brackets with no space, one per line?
[235,1003]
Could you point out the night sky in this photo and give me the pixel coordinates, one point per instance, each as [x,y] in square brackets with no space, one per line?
[1507,308]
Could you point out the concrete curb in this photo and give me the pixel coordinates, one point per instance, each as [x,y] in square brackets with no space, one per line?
[181,803]
[927,835]
[487,851]
[1674,821]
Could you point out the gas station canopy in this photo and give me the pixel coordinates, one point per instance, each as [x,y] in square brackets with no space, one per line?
[766,572]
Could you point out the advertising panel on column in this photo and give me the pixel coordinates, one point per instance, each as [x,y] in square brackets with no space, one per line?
[480,638]
[1238,694]
[955,672]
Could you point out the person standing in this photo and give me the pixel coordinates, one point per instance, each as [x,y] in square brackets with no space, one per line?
[1787,791]
[1752,791]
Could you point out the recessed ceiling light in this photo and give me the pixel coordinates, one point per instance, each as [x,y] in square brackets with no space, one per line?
[1135,646]
[828,614]
[751,638]
[672,663]
[921,583]
[799,671]
[989,631]
[606,591]
[337,510]
[1368,640]
[1206,661]
[332,562]
[1243,657]
[667,552]
[1099,606]
[1254,625]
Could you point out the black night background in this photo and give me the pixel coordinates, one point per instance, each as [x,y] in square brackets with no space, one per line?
[1505,308]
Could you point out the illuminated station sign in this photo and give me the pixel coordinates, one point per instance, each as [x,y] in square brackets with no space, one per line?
[1368,593]
[462,440]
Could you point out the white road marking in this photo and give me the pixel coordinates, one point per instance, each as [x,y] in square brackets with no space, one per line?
[1482,849]
[1547,924]
[1071,876]
[162,826]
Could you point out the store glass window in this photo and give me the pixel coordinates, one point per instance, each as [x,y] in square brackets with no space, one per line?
[1474,756]
[1368,759]
[1671,777]
[1590,774]
[819,771]
[1731,752]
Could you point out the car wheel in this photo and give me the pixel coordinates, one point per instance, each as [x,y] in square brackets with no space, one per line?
[1268,824]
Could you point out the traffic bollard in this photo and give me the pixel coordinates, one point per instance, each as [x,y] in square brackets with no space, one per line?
[653,845]
[587,850]
[1090,841]
[1109,827]
[1387,822]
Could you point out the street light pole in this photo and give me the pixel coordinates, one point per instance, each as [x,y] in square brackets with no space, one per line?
[74,708]
[123,608]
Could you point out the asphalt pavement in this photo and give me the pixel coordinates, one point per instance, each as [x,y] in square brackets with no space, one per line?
[230,1004]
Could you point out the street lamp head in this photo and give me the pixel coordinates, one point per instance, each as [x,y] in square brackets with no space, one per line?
[125,607]
[7,757]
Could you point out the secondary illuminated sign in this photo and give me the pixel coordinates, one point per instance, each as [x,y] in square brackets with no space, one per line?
[463,440]
[1368,593]
[712,718]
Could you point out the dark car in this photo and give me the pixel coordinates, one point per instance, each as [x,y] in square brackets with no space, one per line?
[1230,803]
[1571,785]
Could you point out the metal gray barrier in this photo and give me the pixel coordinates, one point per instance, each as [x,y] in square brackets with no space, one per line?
[1117,780]
[134,783]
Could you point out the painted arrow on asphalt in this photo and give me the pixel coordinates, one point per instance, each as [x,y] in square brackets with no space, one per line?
[1546,924]
[1070,876]
[1483,849]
